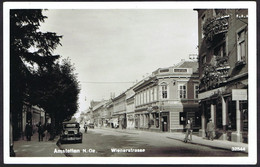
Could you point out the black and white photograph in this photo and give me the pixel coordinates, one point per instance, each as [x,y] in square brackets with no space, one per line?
[130,83]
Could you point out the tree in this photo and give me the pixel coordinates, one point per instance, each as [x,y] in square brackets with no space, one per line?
[28,46]
[56,91]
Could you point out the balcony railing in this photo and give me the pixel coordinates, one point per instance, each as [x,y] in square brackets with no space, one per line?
[215,26]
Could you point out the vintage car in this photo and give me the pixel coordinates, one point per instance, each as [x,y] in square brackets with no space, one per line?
[91,125]
[70,132]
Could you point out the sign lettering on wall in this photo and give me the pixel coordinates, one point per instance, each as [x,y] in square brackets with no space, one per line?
[239,94]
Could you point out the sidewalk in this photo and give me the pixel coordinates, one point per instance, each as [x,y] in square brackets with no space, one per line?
[34,148]
[219,144]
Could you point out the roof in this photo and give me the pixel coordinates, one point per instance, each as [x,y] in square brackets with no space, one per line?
[188,64]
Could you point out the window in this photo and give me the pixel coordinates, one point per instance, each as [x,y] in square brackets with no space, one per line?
[204,59]
[220,50]
[203,20]
[180,70]
[182,91]
[151,94]
[196,91]
[148,95]
[164,90]
[145,97]
[164,70]
[141,101]
[138,99]
[241,46]
[155,93]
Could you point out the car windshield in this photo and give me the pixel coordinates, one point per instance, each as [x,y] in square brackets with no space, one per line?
[71,125]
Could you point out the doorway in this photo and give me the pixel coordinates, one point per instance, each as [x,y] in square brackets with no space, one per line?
[165,121]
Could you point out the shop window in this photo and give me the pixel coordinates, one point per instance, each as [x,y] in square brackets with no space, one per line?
[182,118]
[244,111]
[232,115]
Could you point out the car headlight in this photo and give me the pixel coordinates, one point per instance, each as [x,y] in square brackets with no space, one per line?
[65,132]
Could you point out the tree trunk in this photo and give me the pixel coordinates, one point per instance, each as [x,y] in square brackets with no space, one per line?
[52,131]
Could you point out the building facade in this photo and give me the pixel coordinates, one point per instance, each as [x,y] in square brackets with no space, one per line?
[98,112]
[168,98]
[119,111]
[223,71]
[130,108]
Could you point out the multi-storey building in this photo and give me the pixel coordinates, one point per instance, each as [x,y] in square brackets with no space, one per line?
[98,109]
[110,110]
[130,108]
[119,110]
[168,98]
[223,70]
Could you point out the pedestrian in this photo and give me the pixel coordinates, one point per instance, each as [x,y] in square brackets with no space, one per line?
[191,128]
[86,127]
[40,131]
[210,129]
[187,127]
[28,131]
[48,130]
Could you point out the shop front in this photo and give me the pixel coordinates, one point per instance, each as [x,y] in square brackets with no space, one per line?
[165,122]
[229,113]
[130,120]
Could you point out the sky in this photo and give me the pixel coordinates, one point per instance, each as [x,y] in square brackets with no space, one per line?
[113,48]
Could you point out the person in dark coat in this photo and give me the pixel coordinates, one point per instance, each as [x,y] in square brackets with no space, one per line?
[191,128]
[187,131]
[48,130]
[28,131]
[210,129]
[40,131]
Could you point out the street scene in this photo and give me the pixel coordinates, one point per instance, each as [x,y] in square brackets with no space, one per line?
[104,142]
[90,82]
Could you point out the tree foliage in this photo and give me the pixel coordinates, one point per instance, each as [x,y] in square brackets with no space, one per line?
[35,75]
[28,46]
[56,90]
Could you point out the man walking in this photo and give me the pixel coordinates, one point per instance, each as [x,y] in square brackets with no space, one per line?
[187,131]
[210,129]
[191,128]
[40,131]
[28,131]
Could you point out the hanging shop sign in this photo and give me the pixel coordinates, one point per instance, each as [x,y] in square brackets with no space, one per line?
[239,94]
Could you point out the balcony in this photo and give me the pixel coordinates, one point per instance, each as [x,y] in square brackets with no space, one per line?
[241,62]
[214,26]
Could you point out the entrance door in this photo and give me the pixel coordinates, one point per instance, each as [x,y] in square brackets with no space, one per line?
[165,123]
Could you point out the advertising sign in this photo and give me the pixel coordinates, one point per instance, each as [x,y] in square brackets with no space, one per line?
[239,94]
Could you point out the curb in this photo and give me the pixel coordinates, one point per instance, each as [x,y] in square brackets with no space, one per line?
[61,148]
